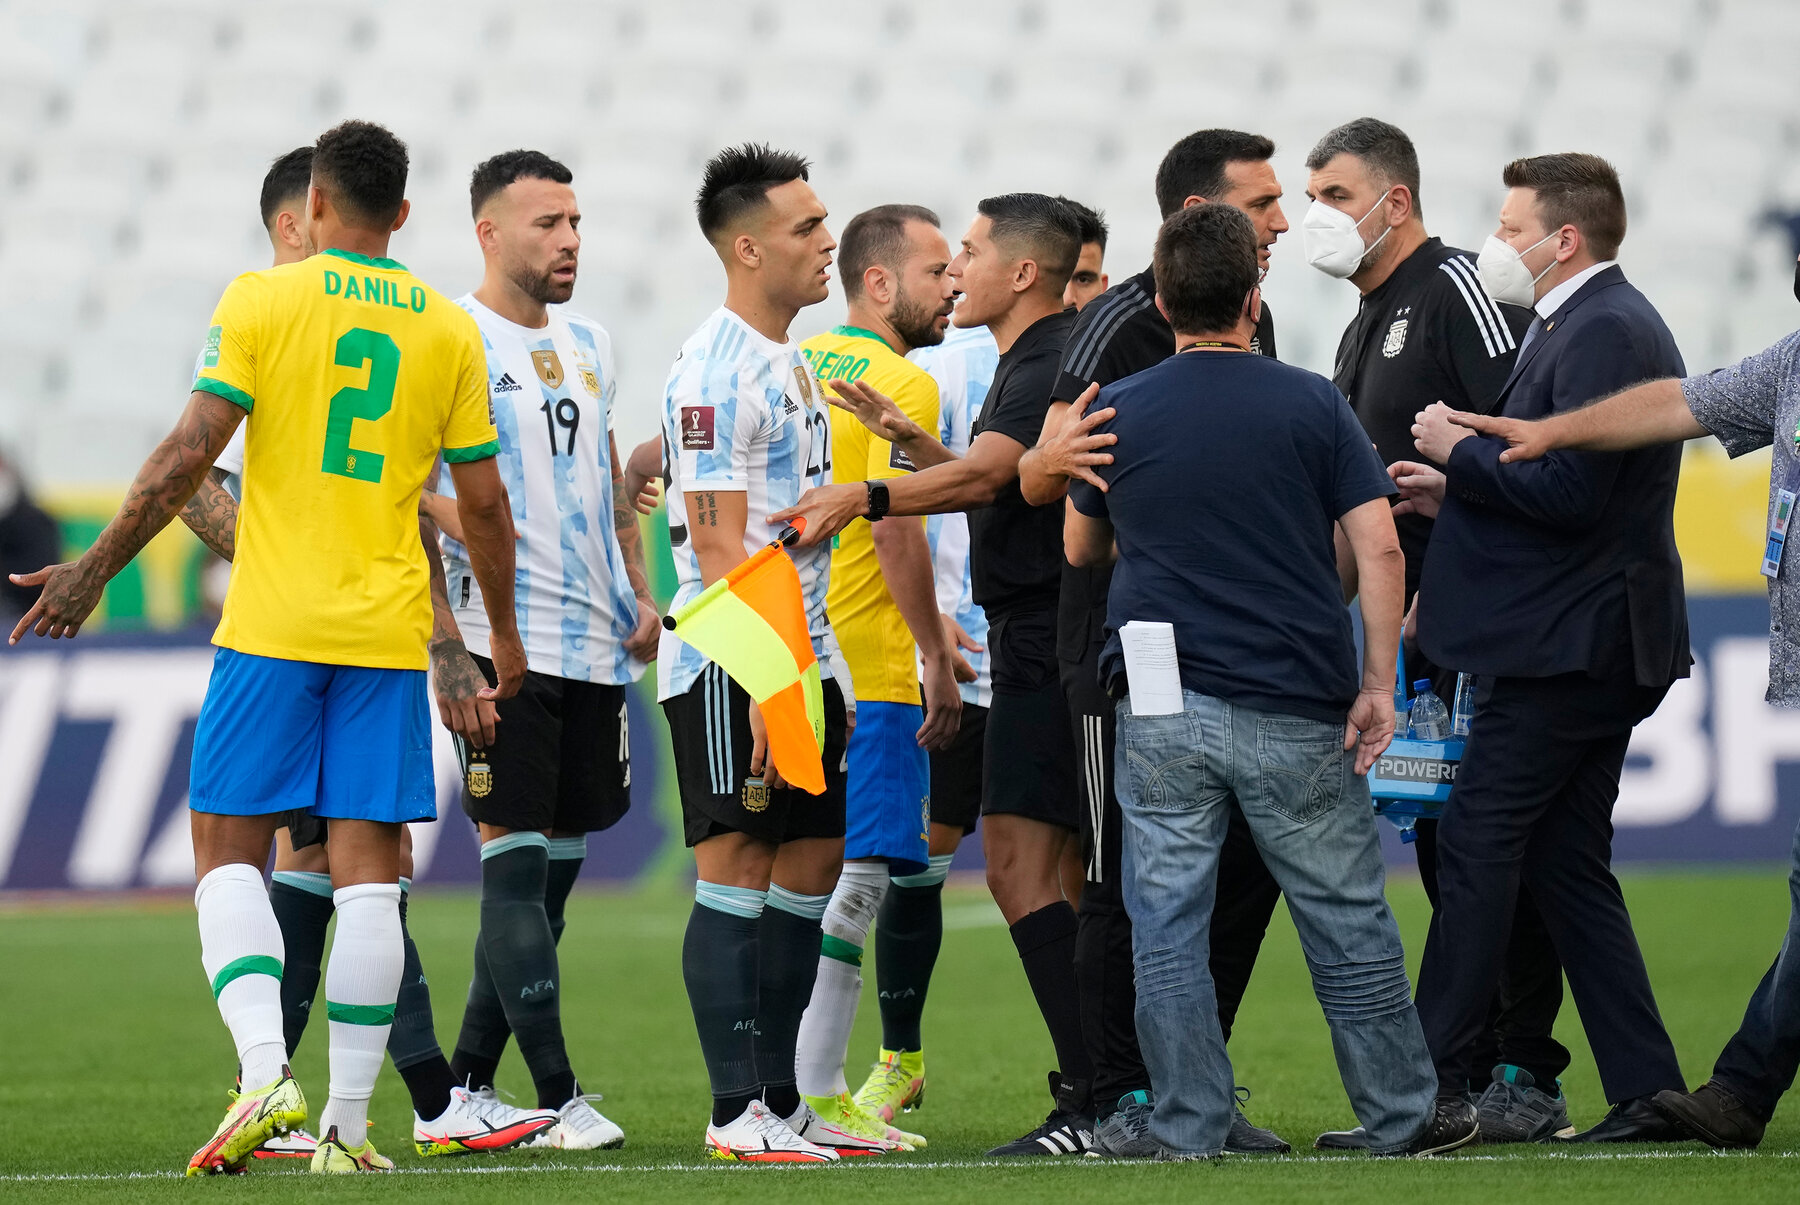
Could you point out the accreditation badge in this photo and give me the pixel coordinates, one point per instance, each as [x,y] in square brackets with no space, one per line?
[1778,529]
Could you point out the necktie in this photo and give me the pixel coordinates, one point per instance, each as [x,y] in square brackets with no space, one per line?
[1532,332]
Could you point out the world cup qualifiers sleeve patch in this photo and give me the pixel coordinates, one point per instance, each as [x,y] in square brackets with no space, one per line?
[697,428]
[898,459]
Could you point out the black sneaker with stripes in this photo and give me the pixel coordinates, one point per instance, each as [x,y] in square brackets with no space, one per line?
[1069,1130]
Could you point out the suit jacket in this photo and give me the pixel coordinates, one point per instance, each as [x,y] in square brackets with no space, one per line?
[1565,564]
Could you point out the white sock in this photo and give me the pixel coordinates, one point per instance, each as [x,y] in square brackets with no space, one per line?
[240,947]
[831,1014]
[362,981]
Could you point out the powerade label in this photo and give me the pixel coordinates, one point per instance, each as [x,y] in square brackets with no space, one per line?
[1429,771]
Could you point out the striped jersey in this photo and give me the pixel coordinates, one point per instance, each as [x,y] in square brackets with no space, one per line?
[741,414]
[551,390]
[963,366]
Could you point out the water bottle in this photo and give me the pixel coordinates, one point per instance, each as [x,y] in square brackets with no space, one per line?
[1430,720]
[1463,710]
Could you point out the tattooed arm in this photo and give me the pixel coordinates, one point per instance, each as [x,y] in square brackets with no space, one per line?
[163,486]
[212,514]
[455,678]
[643,639]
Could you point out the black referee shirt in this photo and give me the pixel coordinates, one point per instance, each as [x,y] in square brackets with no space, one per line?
[1428,333]
[1119,333]
[1015,548]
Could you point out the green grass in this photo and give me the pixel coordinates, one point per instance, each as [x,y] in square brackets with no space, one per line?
[113,1064]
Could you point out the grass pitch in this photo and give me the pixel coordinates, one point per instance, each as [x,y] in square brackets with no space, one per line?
[113,1068]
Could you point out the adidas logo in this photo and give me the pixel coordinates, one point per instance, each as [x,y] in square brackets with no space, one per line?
[506,384]
[788,402]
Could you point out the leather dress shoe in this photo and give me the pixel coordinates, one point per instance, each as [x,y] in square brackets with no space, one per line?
[1632,1121]
[1713,1114]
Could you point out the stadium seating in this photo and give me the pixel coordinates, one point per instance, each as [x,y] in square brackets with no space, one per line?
[133,135]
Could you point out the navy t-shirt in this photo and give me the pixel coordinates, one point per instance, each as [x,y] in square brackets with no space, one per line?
[1229,473]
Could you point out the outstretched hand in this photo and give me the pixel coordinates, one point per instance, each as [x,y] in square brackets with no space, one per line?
[874,410]
[1421,488]
[1525,440]
[827,509]
[1074,451]
[70,594]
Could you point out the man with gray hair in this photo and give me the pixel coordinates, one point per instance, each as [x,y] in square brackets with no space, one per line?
[1426,332]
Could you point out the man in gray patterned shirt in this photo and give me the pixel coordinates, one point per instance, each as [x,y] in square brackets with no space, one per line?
[1749,405]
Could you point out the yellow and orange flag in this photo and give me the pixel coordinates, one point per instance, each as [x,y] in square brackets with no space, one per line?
[752,624]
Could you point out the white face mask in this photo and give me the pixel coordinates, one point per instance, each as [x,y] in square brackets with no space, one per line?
[1334,243]
[1503,274]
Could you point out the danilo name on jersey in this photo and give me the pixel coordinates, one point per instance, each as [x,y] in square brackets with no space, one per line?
[376,289]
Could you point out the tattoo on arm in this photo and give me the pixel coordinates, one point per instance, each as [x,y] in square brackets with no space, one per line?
[212,515]
[625,526]
[165,483]
[708,507]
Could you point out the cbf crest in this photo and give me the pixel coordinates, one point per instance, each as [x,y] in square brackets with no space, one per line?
[1396,338]
[480,779]
[549,367]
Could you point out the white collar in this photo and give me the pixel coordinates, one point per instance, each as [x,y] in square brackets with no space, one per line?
[1555,298]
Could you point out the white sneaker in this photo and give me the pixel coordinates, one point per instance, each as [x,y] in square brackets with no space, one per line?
[758,1136]
[295,1144]
[478,1121]
[581,1127]
[807,1123]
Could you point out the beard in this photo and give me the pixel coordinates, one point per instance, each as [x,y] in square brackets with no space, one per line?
[543,288]
[915,322]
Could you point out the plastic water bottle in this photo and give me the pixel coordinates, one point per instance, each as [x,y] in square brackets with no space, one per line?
[1463,710]
[1430,719]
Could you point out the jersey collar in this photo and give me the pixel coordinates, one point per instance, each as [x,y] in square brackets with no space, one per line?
[367,261]
[857,332]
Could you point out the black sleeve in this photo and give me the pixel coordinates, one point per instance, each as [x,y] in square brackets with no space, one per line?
[1069,383]
[1477,339]
[1358,475]
[1265,333]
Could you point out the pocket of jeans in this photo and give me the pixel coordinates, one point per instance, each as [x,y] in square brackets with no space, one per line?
[1302,767]
[1165,766]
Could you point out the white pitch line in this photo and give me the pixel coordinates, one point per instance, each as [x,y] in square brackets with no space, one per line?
[500,1169]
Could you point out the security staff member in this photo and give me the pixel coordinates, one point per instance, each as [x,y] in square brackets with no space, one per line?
[1426,332]
[1559,583]
[1118,334]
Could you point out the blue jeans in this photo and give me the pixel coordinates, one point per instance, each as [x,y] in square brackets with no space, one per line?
[1178,776]
[1760,1061]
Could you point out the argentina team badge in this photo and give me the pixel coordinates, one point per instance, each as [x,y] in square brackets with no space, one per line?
[480,779]
[756,795]
[1396,339]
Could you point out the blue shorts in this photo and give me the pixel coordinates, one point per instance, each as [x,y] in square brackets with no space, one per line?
[340,741]
[887,803]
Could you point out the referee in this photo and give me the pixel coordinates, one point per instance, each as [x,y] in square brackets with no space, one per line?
[1426,332]
[1120,333]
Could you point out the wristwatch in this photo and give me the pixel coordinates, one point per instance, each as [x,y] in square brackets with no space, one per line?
[878,500]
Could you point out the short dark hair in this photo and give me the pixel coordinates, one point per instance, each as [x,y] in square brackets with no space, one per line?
[1093,222]
[287,178]
[493,175]
[363,166]
[1195,166]
[1575,190]
[1039,227]
[738,179]
[1205,266]
[876,236]
[1383,148]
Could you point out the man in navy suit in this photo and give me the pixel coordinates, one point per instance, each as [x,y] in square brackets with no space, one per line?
[1557,582]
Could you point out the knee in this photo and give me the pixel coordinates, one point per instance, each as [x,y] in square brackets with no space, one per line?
[1362,991]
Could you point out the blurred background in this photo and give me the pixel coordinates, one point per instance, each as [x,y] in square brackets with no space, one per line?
[134,136]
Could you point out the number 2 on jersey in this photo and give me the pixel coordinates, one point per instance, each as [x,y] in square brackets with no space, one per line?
[355,348]
[818,440]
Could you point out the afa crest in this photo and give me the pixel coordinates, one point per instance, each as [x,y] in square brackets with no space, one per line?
[590,380]
[1396,339]
[756,795]
[480,779]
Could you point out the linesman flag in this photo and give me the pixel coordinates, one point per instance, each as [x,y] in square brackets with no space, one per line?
[752,624]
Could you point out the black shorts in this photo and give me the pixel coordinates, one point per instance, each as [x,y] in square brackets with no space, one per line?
[561,758]
[956,785]
[1028,759]
[303,828]
[1091,718]
[709,727]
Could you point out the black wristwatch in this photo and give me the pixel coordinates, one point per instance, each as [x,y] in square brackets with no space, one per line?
[878,500]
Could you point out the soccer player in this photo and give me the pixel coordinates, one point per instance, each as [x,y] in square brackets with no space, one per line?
[559,765]
[883,605]
[1089,280]
[1015,262]
[447,1119]
[746,430]
[355,375]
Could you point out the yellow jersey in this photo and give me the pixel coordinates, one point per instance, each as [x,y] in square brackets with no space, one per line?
[877,644]
[352,375]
